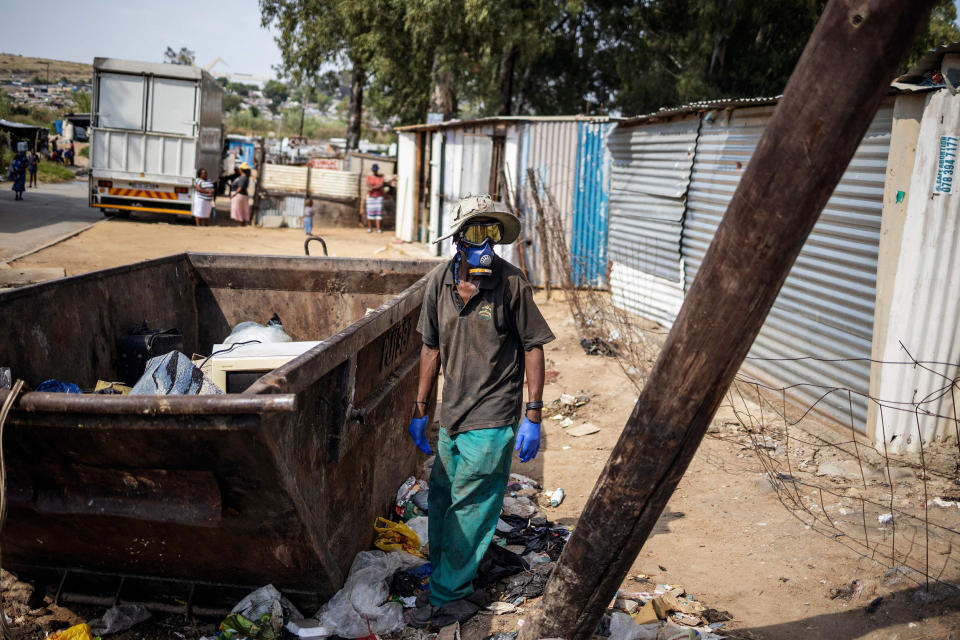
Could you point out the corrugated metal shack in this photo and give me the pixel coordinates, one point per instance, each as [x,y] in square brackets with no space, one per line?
[673,175]
[285,188]
[440,163]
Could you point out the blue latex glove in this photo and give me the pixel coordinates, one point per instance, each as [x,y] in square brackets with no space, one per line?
[528,440]
[418,431]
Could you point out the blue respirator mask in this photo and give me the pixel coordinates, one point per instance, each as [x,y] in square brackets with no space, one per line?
[480,258]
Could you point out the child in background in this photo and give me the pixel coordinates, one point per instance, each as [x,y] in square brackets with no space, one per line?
[308,217]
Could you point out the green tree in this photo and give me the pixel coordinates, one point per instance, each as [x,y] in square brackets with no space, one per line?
[6,105]
[81,101]
[239,88]
[231,102]
[349,33]
[940,29]
[183,56]
[277,93]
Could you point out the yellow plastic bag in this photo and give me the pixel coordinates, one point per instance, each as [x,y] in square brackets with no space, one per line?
[76,632]
[393,536]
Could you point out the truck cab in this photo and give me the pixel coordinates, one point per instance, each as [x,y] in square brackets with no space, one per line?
[153,126]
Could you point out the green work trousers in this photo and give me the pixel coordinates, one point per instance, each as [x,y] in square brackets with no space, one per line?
[469,477]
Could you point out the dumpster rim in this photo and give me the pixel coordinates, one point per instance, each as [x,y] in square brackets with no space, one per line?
[233,403]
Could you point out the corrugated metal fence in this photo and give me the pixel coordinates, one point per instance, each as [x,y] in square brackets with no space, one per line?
[649,181]
[819,331]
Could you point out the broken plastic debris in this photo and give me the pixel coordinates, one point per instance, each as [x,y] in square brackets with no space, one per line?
[308,628]
[501,608]
[623,627]
[520,506]
[522,479]
[885,518]
[119,617]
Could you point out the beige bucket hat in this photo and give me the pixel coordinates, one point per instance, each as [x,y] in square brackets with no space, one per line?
[484,207]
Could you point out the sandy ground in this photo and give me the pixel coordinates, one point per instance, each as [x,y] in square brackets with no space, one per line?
[115,241]
[724,535]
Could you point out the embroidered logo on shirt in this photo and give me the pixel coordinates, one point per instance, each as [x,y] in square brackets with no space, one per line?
[485,311]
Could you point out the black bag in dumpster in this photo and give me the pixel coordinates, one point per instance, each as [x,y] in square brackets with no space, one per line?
[173,374]
[140,345]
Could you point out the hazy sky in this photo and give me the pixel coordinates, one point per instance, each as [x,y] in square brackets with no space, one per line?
[140,30]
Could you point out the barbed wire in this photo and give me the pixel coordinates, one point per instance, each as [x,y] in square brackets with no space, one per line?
[862,500]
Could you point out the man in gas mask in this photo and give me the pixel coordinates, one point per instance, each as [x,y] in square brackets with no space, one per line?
[480,323]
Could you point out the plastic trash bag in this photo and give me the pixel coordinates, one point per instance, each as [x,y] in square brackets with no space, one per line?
[173,374]
[363,598]
[421,526]
[622,627]
[248,331]
[396,536]
[267,600]
[55,386]
[76,632]
[119,617]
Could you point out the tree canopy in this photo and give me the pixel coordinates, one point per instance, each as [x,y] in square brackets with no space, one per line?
[184,56]
[487,57]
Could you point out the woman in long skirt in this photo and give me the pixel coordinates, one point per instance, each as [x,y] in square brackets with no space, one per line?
[239,200]
[18,171]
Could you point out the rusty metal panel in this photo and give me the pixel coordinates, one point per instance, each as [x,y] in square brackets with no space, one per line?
[288,476]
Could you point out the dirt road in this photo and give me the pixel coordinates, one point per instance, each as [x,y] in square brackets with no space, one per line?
[724,536]
[115,242]
[44,215]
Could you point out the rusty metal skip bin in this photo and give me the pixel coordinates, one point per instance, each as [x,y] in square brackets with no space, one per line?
[208,494]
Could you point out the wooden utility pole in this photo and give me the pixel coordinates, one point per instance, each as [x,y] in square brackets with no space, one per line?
[803,153]
[541,231]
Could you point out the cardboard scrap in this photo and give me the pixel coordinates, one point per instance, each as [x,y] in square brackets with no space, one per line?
[585,429]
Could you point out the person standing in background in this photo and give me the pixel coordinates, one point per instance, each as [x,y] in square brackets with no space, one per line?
[18,173]
[239,200]
[374,198]
[203,193]
[33,163]
[308,217]
[71,154]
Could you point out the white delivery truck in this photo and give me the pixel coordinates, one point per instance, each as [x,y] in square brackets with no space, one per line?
[153,127]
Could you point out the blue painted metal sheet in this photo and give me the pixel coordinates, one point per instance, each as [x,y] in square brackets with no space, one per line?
[591,196]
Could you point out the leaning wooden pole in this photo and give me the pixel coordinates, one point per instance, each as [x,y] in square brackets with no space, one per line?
[803,153]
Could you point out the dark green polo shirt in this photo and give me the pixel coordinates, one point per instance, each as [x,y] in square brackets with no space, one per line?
[482,344]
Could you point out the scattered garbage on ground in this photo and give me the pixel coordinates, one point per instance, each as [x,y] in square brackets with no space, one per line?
[76,632]
[117,618]
[599,347]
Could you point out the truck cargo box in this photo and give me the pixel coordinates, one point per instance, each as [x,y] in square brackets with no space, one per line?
[212,493]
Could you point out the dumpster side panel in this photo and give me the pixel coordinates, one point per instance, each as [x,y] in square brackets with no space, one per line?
[182,498]
[279,484]
[68,328]
[314,297]
[349,450]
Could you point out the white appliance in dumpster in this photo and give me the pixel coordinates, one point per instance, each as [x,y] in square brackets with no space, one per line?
[153,126]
